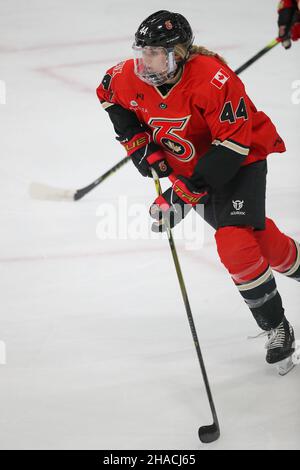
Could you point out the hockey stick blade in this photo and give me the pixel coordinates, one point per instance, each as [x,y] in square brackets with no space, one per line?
[45,192]
[208,434]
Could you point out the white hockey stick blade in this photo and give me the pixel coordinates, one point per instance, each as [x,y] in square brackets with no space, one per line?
[45,192]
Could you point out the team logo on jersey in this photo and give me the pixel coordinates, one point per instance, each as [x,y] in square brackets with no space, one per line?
[220,79]
[173,146]
[168,24]
[133,103]
[163,106]
[168,134]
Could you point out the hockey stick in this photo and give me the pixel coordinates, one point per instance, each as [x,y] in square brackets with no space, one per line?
[43,191]
[258,55]
[211,432]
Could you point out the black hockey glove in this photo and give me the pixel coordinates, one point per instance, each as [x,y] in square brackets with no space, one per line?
[145,154]
[289,24]
[138,142]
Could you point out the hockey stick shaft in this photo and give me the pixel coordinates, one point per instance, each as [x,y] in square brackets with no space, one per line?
[83,191]
[187,306]
[257,56]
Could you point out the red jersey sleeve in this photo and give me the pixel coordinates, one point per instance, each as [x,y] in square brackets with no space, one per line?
[233,120]
[108,90]
[228,110]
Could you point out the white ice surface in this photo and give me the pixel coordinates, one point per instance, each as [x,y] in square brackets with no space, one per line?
[99,352]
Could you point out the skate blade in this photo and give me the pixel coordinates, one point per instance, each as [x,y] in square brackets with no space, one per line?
[285,366]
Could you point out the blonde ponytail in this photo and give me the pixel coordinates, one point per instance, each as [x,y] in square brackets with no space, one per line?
[181,52]
[200,50]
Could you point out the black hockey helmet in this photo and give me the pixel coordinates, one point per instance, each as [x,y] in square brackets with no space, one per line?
[164,29]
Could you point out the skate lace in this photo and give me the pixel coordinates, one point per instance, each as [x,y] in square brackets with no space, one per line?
[276,337]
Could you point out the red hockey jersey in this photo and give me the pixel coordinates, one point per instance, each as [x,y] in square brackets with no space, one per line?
[208,105]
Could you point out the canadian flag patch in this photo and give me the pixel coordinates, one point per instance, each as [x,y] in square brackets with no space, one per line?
[220,79]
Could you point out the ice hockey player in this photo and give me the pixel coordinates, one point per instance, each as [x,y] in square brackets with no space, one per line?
[289,21]
[178,108]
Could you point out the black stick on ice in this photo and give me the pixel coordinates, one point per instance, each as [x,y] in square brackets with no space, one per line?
[211,432]
[43,191]
[257,56]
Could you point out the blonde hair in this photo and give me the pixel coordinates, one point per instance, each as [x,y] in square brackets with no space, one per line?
[181,51]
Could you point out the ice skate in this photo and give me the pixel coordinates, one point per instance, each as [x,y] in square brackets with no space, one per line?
[281,348]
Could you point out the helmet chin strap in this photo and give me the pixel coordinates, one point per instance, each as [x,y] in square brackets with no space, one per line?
[179,69]
[176,77]
[178,73]
[185,58]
